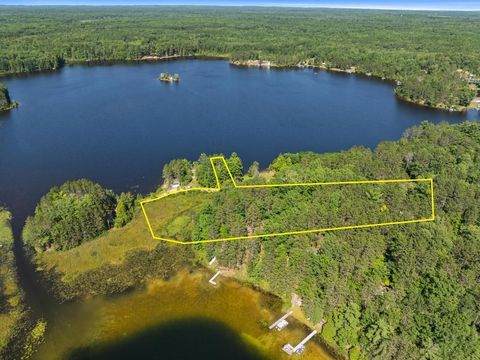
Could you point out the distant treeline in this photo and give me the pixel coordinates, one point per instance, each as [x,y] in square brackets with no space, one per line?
[421,50]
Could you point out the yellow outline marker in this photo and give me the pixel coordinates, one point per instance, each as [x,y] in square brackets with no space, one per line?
[218,188]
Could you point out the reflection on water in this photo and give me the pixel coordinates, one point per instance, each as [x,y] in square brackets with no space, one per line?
[206,339]
[183,318]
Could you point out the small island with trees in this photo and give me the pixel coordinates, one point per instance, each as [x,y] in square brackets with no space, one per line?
[166,77]
[6,102]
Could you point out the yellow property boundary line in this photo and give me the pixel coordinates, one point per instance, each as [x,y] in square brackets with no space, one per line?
[218,188]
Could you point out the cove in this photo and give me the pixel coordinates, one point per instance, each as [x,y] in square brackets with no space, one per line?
[183,318]
[118,125]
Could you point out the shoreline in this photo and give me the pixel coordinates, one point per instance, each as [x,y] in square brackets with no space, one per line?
[266,64]
[203,271]
[157,258]
[13,105]
[55,283]
[261,64]
[302,319]
[88,284]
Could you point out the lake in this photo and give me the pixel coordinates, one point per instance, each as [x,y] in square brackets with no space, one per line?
[183,318]
[118,125]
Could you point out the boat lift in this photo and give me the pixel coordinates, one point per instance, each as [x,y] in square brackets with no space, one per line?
[281,323]
[300,348]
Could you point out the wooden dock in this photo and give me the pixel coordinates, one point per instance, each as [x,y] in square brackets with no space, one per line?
[212,280]
[281,323]
[300,348]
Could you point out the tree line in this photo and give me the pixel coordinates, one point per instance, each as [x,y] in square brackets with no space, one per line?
[423,51]
[400,292]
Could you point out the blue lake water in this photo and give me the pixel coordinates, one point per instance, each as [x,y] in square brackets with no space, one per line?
[118,125]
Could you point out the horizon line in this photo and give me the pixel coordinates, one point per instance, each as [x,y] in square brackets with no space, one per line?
[259,5]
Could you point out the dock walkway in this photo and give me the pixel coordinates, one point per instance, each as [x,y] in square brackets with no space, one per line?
[281,323]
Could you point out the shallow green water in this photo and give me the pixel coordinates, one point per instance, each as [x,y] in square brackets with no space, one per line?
[183,318]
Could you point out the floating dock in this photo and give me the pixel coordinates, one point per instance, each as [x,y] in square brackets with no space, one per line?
[300,348]
[281,323]
[212,280]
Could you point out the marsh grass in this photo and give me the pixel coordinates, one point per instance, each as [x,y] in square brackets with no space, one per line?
[111,248]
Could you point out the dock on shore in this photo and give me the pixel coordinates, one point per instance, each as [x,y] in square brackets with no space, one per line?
[212,280]
[281,323]
[300,348]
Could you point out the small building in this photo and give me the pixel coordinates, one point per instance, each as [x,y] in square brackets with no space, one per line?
[175,185]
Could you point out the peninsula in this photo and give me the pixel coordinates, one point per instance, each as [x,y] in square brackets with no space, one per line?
[352,279]
[6,102]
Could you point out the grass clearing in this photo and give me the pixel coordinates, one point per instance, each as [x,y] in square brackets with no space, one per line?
[112,246]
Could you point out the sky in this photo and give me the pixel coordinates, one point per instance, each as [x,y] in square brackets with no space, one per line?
[369,4]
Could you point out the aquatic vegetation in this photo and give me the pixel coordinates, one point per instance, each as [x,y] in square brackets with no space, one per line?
[14,315]
[352,279]
[34,339]
[230,316]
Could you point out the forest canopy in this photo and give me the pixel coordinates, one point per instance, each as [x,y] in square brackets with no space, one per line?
[70,214]
[400,292]
[431,55]
[394,293]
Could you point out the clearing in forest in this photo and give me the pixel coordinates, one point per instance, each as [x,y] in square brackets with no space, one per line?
[284,209]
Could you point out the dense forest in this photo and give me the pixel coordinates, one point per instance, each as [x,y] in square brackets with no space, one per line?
[433,56]
[241,212]
[74,212]
[402,292]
